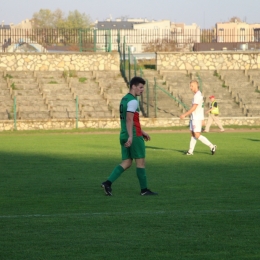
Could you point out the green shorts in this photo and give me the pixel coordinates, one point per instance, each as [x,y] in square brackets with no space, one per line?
[135,151]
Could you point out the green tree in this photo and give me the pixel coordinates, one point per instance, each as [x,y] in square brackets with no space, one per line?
[59,19]
[45,18]
[77,20]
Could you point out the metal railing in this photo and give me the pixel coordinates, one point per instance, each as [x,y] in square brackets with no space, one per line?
[143,40]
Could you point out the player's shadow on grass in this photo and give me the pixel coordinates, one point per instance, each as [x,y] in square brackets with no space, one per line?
[175,150]
[164,149]
[159,148]
[253,140]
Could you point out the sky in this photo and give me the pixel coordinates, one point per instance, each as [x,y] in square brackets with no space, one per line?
[205,13]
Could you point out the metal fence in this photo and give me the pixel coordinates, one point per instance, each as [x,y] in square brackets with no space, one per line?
[140,40]
[129,68]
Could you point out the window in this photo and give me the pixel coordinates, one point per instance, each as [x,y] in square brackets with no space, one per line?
[242,35]
[221,35]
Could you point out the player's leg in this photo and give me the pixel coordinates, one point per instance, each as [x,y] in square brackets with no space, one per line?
[119,169]
[115,174]
[138,152]
[202,138]
[193,140]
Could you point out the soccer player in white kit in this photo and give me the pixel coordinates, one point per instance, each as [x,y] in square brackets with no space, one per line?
[197,117]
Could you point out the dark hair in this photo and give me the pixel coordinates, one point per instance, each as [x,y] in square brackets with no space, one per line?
[136,81]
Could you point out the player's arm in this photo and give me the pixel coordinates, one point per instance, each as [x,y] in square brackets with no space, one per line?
[146,136]
[193,108]
[129,127]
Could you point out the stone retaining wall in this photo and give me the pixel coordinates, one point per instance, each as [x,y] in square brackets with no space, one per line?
[8,125]
[208,60]
[59,61]
[111,61]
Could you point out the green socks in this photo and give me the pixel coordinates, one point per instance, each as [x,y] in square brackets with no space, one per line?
[116,173]
[141,177]
[140,172]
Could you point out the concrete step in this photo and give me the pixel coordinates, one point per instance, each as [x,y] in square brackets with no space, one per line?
[253,106]
[90,97]
[31,102]
[114,103]
[52,81]
[24,108]
[252,101]
[107,74]
[6,103]
[54,87]
[254,112]
[98,114]
[62,102]
[113,96]
[26,86]
[4,115]
[32,92]
[55,92]
[63,115]
[60,97]
[249,96]
[23,81]
[4,92]
[71,108]
[85,74]
[93,103]
[34,115]
[88,83]
[24,97]
[83,92]
[91,108]
[49,74]
[20,74]
[87,86]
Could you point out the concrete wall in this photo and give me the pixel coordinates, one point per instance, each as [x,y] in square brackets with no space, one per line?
[7,125]
[208,60]
[59,61]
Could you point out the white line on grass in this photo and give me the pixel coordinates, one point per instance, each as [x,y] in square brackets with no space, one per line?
[91,214]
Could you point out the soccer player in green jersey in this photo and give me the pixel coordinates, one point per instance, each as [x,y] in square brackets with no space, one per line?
[131,139]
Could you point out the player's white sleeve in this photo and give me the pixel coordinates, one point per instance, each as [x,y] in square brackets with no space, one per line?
[132,106]
[197,98]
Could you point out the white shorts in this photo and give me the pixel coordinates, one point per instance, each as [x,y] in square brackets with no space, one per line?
[195,126]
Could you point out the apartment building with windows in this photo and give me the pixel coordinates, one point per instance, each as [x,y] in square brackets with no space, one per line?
[137,33]
[237,31]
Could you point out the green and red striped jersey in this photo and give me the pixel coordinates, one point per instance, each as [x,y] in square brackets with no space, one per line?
[129,103]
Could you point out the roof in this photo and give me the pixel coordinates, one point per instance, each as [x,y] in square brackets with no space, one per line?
[116,25]
[5,27]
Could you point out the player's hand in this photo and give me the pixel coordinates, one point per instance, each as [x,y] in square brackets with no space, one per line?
[182,116]
[128,142]
[146,137]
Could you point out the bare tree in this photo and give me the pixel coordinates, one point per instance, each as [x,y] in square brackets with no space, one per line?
[160,45]
[235,19]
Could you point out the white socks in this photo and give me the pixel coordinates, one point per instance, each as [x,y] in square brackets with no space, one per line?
[193,142]
[203,139]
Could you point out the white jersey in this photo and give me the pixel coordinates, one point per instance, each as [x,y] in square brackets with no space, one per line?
[198,113]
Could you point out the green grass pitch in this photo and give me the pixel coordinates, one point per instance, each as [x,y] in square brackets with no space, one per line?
[52,206]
